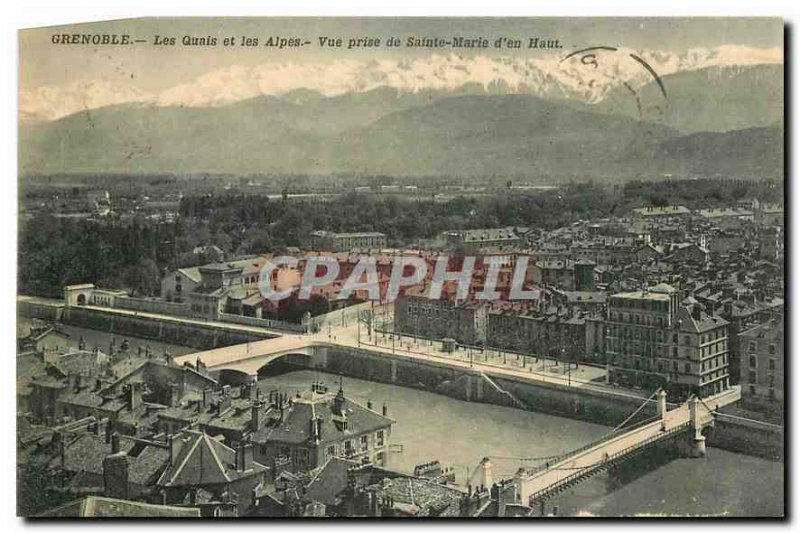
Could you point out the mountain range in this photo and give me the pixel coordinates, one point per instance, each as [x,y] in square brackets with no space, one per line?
[717,120]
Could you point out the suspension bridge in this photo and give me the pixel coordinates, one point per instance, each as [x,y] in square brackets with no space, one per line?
[554,474]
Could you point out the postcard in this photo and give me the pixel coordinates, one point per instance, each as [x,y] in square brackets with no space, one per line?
[401,267]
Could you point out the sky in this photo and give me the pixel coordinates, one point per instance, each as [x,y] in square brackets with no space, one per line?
[57,79]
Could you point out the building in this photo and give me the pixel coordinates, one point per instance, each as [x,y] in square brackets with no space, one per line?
[658,212]
[565,274]
[770,243]
[177,284]
[554,331]
[101,507]
[302,433]
[204,472]
[423,317]
[345,242]
[653,339]
[471,240]
[762,366]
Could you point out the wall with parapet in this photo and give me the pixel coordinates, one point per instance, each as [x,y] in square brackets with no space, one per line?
[195,335]
[596,406]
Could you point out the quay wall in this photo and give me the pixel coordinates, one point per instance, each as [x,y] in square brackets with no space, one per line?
[751,437]
[597,406]
[194,335]
[30,309]
[473,385]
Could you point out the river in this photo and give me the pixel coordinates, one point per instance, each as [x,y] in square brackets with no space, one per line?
[460,434]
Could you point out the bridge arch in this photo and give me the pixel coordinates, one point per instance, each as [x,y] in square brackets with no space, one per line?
[297,360]
[258,364]
[234,377]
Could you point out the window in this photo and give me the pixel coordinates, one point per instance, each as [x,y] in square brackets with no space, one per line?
[687,368]
[364,443]
[379,438]
[752,346]
[772,349]
[379,458]
[331,451]
[753,361]
[772,364]
[752,376]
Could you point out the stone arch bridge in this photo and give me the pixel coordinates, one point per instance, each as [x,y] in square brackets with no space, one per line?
[250,357]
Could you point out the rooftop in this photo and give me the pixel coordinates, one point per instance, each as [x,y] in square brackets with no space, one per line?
[100,507]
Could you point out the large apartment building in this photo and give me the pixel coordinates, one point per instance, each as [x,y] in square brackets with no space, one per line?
[655,339]
[762,364]
[345,242]
[437,319]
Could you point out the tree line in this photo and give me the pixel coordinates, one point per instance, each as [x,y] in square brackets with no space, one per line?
[134,252]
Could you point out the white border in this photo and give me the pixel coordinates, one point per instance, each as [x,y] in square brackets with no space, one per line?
[33,13]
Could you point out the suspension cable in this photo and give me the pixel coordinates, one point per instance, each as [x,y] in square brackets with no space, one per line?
[635,412]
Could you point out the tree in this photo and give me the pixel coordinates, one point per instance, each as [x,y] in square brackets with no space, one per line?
[368,319]
[143,278]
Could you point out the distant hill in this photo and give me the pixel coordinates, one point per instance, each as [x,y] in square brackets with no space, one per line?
[753,152]
[497,135]
[390,132]
[721,98]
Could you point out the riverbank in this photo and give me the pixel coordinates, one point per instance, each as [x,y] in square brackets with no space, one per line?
[482,384]
[458,433]
[193,333]
[590,404]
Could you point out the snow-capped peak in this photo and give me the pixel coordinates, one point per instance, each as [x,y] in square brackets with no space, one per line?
[580,77]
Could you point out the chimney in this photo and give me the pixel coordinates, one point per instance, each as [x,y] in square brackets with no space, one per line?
[115,474]
[385,410]
[244,457]
[175,445]
[255,416]
[73,382]
[253,391]
[174,396]
[134,396]
[369,404]
[207,393]
[728,309]
[319,427]
[58,444]
[115,447]
[224,404]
